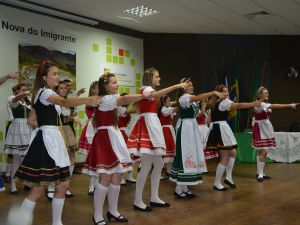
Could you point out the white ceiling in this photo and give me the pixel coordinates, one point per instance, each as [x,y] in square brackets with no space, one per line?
[192,16]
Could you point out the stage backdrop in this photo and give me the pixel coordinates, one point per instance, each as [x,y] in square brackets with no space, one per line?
[83,53]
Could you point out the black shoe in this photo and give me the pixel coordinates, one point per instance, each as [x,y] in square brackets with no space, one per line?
[120,218]
[131,181]
[220,189]
[189,194]
[50,198]
[147,209]
[232,185]
[101,222]
[69,195]
[14,192]
[182,195]
[161,205]
[265,177]
[91,193]
[260,179]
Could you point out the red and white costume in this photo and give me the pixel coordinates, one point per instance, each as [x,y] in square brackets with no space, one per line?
[166,117]
[263,136]
[204,130]
[88,131]
[108,153]
[147,136]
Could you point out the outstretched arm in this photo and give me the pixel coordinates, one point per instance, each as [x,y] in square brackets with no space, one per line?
[244,105]
[200,97]
[70,102]
[165,91]
[20,96]
[14,75]
[128,99]
[284,106]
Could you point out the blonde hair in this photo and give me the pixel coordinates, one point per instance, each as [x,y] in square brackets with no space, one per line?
[260,91]
[214,99]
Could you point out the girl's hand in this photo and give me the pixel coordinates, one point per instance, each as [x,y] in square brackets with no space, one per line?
[183,85]
[294,105]
[147,94]
[219,95]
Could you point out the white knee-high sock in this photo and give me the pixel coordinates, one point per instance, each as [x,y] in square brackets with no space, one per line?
[219,174]
[8,169]
[260,169]
[22,215]
[71,168]
[92,183]
[57,208]
[113,197]
[17,159]
[99,198]
[178,189]
[257,160]
[229,169]
[146,163]
[158,164]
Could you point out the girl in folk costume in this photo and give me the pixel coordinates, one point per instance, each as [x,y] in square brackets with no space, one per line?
[19,132]
[47,161]
[123,122]
[204,118]
[165,114]
[88,134]
[147,141]
[189,162]
[221,137]
[108,155]
[263,137]
[68,135]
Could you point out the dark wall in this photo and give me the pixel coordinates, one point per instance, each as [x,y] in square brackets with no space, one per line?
[206,58]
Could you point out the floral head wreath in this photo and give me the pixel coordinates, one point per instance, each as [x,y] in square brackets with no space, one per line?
[260,89]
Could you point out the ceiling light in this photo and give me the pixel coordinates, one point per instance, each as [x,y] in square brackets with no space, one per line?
[141,11]
[49,11]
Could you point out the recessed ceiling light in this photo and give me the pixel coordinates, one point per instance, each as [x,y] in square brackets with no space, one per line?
[141,11]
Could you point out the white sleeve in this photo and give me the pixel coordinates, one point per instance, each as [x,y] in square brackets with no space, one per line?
[148,89]
[45,95]
[167,111]
[108,102]
[225,105]
[263,107]
[184,101]
[11,103]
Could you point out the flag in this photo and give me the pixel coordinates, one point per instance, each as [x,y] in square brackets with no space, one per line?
[234,96]
[256,79]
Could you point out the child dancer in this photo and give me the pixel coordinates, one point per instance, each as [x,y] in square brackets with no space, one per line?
[165,114]
[68,135]
[18,134]
[263,137]
[108,155]
[123,122]
[147,141]
[189,162]
[221,137]
[203,118]
[47,161]
[88,134]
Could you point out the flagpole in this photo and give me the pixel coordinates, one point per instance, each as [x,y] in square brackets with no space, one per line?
[251,93]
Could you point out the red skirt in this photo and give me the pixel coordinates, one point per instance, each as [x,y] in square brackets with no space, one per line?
[139,137]
[83,143]
[102,158]
[258,142]
[170,145]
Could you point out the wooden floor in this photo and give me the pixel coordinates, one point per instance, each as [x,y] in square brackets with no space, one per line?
[275,201]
